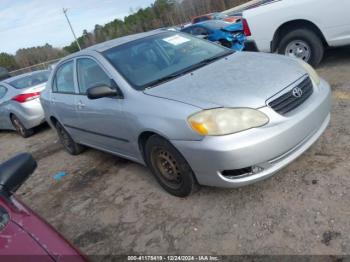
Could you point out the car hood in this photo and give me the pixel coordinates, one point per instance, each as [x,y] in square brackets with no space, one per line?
[242,79]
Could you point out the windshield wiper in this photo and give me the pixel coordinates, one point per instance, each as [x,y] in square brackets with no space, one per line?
[164,79]
[214,58]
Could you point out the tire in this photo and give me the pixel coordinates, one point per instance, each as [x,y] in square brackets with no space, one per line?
[161,157]
[20,128]
[226,43]
[67,141]
[301,36]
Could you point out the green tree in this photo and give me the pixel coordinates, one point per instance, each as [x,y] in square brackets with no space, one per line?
[35,55]
[8,61]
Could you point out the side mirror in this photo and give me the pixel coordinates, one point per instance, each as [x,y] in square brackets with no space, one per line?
[15,171]
[104,90]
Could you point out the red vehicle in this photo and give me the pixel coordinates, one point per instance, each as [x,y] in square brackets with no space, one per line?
[24,236]
[216,16]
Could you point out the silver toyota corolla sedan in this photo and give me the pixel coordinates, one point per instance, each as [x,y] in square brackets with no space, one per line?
[195,112]
[20,107]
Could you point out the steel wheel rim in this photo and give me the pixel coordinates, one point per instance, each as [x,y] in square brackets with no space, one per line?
[298,49]
[167,168]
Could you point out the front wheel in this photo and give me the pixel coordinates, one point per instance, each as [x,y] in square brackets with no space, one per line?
[169,167]
[303,44]
[66,140]
[20,128]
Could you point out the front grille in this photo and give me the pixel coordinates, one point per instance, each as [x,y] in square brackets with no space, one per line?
[289,101]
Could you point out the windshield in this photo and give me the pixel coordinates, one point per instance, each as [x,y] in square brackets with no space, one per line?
[145,61]
[30,80]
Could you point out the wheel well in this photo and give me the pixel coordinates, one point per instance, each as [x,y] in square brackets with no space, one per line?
[295,24]
[53,120]
[10,116]
[142,142]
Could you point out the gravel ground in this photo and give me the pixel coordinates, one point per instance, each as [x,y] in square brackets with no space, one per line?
[107,205]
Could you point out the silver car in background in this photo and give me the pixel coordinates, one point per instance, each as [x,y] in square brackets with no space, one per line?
[195,112]
[20,107]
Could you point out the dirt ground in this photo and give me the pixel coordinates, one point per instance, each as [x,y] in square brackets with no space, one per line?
[107,205]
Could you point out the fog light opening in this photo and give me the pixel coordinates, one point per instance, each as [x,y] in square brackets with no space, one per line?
[237,173]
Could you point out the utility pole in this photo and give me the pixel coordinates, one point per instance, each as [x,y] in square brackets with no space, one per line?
[71,28]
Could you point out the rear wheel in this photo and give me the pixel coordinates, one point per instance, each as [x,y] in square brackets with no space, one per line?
[303,44]
[169,167]
[20,128]
[72,147]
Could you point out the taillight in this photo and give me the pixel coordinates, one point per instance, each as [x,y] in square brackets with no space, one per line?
[26,97]
[246,28]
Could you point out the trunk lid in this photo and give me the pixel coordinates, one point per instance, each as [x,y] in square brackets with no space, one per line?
[38,88]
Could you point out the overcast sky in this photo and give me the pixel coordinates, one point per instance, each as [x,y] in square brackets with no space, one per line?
[26,23]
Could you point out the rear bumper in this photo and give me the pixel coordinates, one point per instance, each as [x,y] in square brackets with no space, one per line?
[31,113]
[267,149]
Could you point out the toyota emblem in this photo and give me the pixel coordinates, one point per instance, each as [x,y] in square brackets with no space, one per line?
[297,92]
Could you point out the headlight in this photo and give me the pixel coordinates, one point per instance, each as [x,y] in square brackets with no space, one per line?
[224,121]
[312,73]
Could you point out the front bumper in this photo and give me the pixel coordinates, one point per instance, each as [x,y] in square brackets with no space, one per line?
[269,148]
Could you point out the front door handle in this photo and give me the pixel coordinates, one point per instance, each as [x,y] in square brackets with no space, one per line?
[80,105]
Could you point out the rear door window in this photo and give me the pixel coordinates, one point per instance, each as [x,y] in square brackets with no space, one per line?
[90,74]
[64,79]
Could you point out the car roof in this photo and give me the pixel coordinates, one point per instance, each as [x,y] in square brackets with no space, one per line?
[8,80]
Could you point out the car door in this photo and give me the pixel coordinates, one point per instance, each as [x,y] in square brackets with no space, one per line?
[100,120]
[5,122]
[63,97]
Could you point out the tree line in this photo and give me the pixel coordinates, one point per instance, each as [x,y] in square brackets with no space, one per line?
[26,57]
[162,13]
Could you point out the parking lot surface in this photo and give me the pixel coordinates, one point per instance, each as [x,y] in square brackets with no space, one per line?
[107,205]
